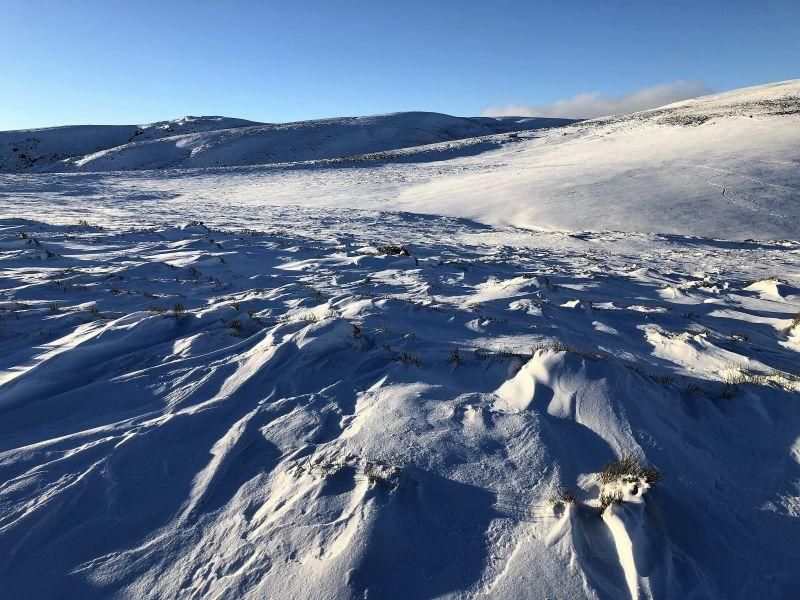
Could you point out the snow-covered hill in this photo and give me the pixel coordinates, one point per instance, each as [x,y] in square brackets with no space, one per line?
[56,148]
[328,390]
[726,165]
[219,141]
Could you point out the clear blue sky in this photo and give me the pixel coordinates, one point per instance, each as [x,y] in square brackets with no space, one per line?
[140,60]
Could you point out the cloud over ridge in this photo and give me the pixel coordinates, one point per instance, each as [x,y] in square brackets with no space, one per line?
[594,104]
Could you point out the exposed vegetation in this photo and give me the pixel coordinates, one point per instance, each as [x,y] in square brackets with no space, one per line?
[393,250]
[559,347]
[630,466]
[563,496]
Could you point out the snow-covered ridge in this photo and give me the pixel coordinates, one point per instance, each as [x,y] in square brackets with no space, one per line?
[47,148]
[726,165]
[221,141]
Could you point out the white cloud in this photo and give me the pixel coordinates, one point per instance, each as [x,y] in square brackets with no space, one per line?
[594,104]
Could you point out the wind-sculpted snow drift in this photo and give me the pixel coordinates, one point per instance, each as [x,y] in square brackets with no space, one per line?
[195,412]
[338,399]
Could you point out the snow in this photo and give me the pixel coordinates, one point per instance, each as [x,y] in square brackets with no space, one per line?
[658,171]
[54,148]
[220,141]
[265,404]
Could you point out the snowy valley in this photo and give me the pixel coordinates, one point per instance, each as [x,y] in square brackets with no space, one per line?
[404,356]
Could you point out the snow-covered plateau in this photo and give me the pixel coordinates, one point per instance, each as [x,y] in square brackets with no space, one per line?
[404,356]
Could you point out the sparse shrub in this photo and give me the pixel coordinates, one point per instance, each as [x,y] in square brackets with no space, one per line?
[563,496]
[382,474]
[157,309]
[409,359]
[729,390]
[737,377]
[607,499]
[236,326]
[785,380]
[53,307]
[693,388]
[393,250]
[455,356]
[652,475]
[629,466]
[357,334]
[662,378]
[236,306]
[559,347]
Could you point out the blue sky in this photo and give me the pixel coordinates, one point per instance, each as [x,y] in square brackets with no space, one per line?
[134,62]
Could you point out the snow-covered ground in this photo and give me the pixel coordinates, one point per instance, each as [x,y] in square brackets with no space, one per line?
[393,376]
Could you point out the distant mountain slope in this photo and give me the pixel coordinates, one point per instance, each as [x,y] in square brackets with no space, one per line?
[725,165]
[219,141]
[45,149]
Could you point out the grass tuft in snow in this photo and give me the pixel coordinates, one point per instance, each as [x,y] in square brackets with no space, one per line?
[455,356]
[662,378]
[559,347]
[625,478]
[380,474]
[563,496]
[737,376]
[393,250]
[630,466]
